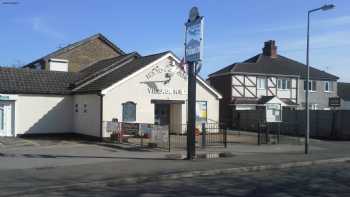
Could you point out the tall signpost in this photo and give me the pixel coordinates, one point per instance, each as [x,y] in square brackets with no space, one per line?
[193,58]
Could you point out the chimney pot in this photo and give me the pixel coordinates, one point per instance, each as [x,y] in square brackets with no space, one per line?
[270,49]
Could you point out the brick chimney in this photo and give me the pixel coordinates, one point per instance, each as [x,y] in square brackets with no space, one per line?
[270,49]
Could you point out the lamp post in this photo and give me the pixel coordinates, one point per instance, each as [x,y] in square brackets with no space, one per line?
[307,134]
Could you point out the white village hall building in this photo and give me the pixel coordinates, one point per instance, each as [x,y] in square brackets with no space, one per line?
[128,87]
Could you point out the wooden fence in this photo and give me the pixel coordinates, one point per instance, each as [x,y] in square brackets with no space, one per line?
[324,124]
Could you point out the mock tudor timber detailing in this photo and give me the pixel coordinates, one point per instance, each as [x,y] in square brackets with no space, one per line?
[270,74]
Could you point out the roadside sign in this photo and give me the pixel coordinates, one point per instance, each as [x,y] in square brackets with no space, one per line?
[194,37]
[334,102]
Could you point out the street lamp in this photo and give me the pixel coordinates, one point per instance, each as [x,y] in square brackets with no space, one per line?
[307,134]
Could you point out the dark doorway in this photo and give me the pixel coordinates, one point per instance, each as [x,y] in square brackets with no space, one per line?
[162,114]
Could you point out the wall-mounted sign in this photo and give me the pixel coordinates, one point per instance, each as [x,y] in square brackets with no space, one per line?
[167,91]
[159,78]
[194,37]
[168,70]
[334,102]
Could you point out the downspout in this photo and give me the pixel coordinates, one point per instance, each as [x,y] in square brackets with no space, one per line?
[101,115]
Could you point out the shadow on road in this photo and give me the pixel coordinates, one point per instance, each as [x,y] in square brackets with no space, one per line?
[54,156]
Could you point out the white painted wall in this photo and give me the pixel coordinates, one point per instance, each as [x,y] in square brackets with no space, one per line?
[136,89]
[43,114]
[87,119]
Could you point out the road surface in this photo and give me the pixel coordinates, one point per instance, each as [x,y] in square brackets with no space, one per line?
[321,180]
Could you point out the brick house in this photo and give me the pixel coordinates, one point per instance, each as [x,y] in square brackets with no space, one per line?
[79,55]
[246,84]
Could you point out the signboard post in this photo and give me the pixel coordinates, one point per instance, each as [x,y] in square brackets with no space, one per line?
[193,57]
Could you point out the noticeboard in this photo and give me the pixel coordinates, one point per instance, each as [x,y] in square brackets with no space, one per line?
[130,128]
[273,112]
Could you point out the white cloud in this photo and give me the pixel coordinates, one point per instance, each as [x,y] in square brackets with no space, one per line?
[332,22]
[40,25]
[320,41]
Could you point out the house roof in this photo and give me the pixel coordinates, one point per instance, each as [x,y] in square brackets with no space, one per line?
[119,73]
[280,65]
[100,76]
[102,66]
[76,44]
[29,81]
[344,91]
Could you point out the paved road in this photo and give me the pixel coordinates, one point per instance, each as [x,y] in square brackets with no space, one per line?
[323,180]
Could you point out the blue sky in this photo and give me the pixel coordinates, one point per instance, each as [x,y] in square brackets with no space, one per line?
[234,30]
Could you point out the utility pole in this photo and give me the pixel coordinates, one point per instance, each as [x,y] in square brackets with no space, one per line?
[307,91]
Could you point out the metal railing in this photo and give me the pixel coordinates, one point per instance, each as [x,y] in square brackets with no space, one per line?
[165,137]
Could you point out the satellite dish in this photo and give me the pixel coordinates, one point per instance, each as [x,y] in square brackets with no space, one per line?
[194,14]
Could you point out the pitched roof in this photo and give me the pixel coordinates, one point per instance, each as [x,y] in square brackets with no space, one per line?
[260,101]
[344,91]
[103,66]
[100,76]
[119,73]
[79,43]
[261,64]
[29,81]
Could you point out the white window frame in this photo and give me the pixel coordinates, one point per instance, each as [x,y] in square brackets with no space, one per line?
[312,86]
[287,84]
[330,86]
[259,84]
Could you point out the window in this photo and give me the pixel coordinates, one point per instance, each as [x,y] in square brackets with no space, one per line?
[283,84]
[312,85]
[129,112]
[328,86]
[76,108]
[261,83]
[85,108]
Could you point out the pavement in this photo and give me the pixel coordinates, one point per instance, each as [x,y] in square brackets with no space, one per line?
[58,165]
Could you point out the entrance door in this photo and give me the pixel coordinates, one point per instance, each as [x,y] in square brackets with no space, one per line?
[2,120]
[162,114]
[5,121]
